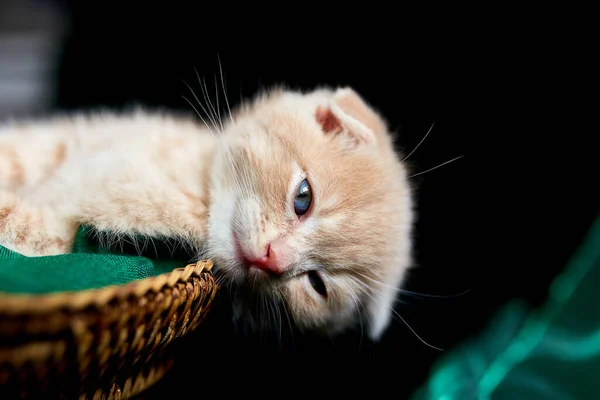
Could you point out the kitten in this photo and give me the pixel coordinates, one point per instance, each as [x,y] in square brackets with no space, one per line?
[300,200]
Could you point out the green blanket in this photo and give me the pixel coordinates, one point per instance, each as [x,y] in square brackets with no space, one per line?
[88,266]
[550,353]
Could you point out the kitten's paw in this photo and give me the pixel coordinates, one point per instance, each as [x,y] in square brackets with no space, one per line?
[33,231]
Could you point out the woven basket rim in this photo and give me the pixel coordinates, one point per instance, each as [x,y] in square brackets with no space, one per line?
[19,303]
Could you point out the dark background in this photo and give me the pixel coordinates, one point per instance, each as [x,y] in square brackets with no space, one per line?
[483,224]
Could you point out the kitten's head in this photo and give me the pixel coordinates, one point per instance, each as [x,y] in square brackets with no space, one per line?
[310,209]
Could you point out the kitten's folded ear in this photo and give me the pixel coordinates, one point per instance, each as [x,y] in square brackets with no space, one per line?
[347,113]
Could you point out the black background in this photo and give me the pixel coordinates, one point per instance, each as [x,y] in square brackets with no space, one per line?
[478,228]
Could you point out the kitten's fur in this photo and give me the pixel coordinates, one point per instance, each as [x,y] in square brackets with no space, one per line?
[157,175]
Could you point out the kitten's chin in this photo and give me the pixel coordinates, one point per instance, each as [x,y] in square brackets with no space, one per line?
[259,312]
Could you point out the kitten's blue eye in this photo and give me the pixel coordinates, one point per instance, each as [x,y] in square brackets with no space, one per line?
[303,198]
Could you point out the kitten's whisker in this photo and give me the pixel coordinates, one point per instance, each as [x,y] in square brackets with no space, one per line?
[408,292]
[269,308]
[223,86]
[210,104]
[414,332]
[276,319]
[224,89]
[203,109]
[208,112]
[266,306]
[436,167]
[242,186]
[198,113]
[358,305]
[220,279]
[404,321]
[417,146]
[290,324]
[377,293]
[228,156]
[276,304]
[217,104]
[262,314]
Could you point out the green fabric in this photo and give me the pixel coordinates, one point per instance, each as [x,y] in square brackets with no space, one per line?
[550,353]
[88,266]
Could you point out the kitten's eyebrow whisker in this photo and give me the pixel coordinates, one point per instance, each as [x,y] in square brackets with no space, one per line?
[200,115]
[224,89]
[196,110]
[208,115]
[436,167]
[246,189]
[228,155]
[217,104]
[227,152]
[210,104]
[422,140]
[223,86]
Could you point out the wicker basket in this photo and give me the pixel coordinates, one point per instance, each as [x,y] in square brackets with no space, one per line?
[110,343]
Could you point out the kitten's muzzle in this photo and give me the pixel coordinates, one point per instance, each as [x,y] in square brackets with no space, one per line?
[267,261]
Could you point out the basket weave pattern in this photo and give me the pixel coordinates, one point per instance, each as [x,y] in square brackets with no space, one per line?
[103,343]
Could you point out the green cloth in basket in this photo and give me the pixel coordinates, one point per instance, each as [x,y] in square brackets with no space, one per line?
[88,266]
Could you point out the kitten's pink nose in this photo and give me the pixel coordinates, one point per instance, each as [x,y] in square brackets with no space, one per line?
[267,262]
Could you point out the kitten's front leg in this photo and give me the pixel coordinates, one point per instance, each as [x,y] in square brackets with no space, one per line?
[33,231]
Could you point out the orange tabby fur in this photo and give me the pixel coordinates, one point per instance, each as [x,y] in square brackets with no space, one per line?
[157,175]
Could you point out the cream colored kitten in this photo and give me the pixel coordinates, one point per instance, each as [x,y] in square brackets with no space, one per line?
[300,200]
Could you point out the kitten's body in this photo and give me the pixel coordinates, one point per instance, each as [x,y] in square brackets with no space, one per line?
[229,196]
[131,173]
